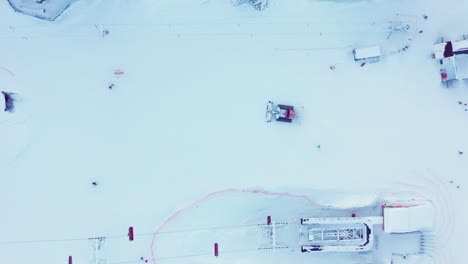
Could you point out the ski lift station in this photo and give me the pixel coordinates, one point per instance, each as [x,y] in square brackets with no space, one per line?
[351,234]
[339,234]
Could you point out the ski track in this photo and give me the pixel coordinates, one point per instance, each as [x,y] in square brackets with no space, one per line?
[8,71]
[229,190]
[435,190]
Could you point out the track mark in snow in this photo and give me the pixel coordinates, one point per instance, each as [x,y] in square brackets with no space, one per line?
[18,140]
[436,190]
[313,49]
[229,190]
[8,71]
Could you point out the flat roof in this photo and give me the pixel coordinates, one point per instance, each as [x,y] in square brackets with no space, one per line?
[450,48]
[368,52]
[461,64]
[449,68]
[408,219]
[460,45]
[438,50]
[456,67]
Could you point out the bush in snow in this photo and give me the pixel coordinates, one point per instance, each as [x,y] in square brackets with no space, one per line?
[258,4]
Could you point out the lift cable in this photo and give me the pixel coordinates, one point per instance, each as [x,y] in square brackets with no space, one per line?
[120,236]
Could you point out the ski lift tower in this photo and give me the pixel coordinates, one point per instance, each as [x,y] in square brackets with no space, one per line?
[97,244]
[271,232]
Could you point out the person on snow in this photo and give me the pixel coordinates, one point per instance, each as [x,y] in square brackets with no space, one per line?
[94,183]
[9,106]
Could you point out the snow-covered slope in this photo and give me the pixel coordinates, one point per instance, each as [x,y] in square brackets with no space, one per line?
[187,116]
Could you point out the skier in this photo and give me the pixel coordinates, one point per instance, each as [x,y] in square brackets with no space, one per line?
[94,183]
[460,152]
[111,86]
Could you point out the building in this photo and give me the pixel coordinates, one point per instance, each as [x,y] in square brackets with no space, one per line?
[453,57]
[449,49]
[454,68]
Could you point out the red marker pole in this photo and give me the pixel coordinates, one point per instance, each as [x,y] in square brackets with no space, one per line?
[70,260]
[130,234]
[216,249]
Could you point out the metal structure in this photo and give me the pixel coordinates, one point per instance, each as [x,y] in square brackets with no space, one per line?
[339,234]
[97,245]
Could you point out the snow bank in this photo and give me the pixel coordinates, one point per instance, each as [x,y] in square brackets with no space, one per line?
[43,9]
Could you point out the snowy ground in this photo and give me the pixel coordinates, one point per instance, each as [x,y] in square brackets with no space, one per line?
[187,119]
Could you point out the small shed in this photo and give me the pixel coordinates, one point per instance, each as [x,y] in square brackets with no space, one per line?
[368,54]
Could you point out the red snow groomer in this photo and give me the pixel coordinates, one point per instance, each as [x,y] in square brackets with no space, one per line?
[280,112]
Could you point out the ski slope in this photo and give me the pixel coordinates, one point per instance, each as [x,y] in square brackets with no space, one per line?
[187,119]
